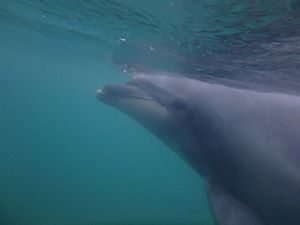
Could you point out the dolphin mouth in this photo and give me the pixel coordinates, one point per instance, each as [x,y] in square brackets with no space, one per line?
[126,90]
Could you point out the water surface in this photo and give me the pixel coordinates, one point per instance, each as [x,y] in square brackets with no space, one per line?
[66,159]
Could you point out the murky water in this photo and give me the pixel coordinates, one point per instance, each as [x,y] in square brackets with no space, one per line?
[67,159]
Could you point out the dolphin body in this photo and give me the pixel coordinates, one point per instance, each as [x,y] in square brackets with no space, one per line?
[245,144]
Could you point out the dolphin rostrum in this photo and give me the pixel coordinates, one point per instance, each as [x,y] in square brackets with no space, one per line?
[245,144]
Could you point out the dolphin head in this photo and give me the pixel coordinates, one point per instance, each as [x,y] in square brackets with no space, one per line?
[162,104]
[242,142]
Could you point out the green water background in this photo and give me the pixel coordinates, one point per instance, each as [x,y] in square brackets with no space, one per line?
[67,159]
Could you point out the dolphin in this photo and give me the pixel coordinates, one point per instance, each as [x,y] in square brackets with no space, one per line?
[244,143]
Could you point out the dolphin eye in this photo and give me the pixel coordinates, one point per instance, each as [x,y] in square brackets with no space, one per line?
[179,104]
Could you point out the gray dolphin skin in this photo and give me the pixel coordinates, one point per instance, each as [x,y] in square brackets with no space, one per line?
[245,144]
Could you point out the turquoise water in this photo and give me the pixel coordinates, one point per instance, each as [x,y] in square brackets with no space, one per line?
[67,159]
